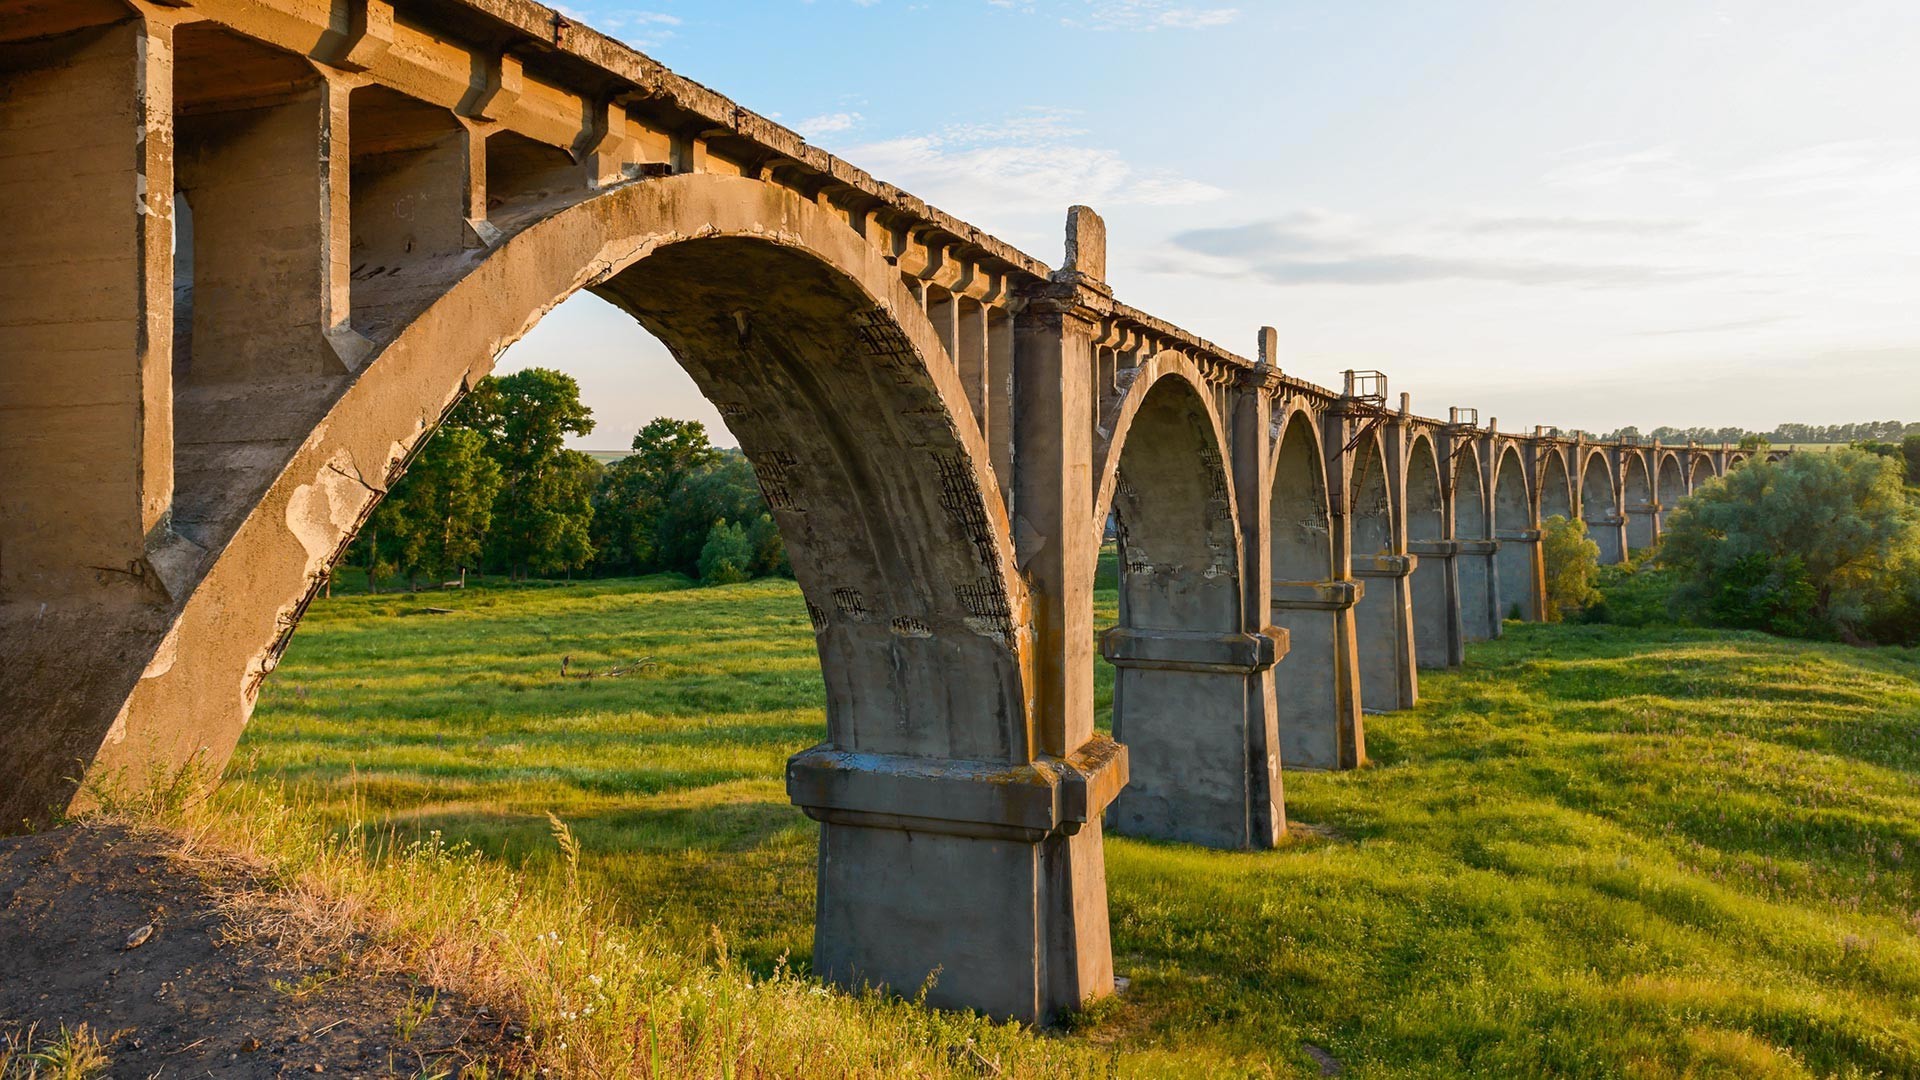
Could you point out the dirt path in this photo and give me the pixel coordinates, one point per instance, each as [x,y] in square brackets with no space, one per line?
[201,996]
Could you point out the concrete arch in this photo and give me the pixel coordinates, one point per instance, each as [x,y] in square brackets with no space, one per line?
[1699,471]
[1670,485]
[1556,485]
[1734,460]
[1473,529]
[1302,517]
[1318,712]
[1188,745]
[1637,498]
[1600,507]
[1436,607]
[1383,610]
[784,318]
[1119,422]
[859,430]
[1519,537]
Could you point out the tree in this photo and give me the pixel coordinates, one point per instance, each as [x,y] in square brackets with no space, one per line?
[544,511]
[1817,543]
[633,498]
[434,521]
[726,558]
[1910,454]
[1572,560]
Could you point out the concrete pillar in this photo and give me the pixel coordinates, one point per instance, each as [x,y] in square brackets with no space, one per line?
[1479,589]
[1004,893]
[1439,635]
[1384,629]
[86,314]
[1208,778]
[1318,685]
[1522,570]
[1642,525]
[1610,533]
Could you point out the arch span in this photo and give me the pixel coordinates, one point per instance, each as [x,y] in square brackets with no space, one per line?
[1319,710]
[1556,485]
[1638,501]
[1383,613]
[1699,471]
[1436,604]
[1670,486]
[1199,769]
[1517,561]
[861,435]
[1600,506]
[1473,527]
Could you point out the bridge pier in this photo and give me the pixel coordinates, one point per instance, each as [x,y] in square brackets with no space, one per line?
[1523,574]
[1318,685]
[1611,534]
[1439,635]
[1643,526]
[984,881]
[1479,589]
[1191,708]
[1384,627]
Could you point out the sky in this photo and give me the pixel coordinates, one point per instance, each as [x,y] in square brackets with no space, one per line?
[1587,214]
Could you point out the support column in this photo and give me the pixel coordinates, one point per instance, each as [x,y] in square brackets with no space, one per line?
[86,313]
[1318,686]
[1479,589]
[89,564]
[1643,526]
[1523,576]
[1610,533]
[988,876]
[1203,779]
[1000,900]
[1383,625]
[1438,631]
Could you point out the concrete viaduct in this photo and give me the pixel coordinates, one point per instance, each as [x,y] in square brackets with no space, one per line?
[255,249]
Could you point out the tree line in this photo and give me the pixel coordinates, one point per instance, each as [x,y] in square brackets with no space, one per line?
[1832,434]
[496,490]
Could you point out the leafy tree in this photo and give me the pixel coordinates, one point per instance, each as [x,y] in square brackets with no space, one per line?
[1821,542]
[769,548]
[726,557]
[543,514]
[435,520]
[1573,560]
[1910,453]
[638,490]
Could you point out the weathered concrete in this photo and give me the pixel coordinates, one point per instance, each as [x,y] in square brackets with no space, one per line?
[1383,617]
[1642,511]
[1520,567]
[259,248]
[1600,507]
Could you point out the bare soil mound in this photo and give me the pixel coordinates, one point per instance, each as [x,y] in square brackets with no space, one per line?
[112,927]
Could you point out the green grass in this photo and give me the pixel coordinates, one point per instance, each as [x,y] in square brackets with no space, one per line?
[1594,851]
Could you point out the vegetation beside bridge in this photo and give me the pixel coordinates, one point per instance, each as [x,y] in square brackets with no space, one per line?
[1597,850]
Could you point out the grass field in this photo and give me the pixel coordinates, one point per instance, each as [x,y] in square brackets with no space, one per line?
[1595,851]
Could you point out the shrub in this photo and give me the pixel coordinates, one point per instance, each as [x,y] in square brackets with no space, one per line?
[1572,562]
[1813,545]
[727,556]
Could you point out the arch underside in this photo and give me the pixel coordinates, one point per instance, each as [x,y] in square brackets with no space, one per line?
[1196,772]
[1514,528]
[1556,485]
[823,364]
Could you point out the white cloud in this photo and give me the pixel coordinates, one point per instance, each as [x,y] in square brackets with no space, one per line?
[1031,162]
[813,127]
